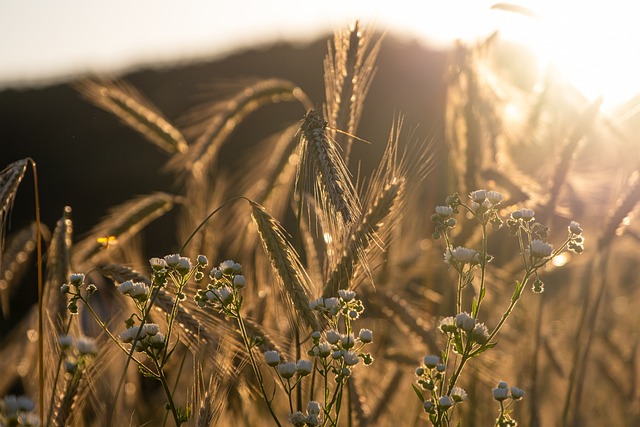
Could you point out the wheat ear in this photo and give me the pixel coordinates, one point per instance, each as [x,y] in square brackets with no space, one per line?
[361,239]
[349,68]
[10,178]
[58,268]
[322,166]
[15,261]
[284,259]
[228,115]
[133,109]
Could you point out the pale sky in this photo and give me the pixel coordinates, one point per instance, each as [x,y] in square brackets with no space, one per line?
[43,41]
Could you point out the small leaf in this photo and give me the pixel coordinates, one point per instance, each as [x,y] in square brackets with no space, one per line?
[418,393]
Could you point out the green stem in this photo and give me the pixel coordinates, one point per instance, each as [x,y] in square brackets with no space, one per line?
[167,391]
[256,369]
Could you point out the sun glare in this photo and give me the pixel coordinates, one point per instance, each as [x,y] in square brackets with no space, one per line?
[589,44]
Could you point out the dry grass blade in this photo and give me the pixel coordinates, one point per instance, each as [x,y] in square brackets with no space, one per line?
[124,221]
[322,168]
[15,261]
[293,279]
[348,72]
[361,239]
[228,115]
[58,268]
[133,109]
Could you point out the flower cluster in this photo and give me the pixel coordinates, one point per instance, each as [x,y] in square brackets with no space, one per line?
[576,240]
[311,418]
[430,375]
[464,329]
[78,352]
[73,289]
[226,281]
[177,268]
[148,339]
[346,304]
[17,411]
[503,394]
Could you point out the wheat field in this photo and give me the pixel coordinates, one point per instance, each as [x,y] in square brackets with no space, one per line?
[488,280]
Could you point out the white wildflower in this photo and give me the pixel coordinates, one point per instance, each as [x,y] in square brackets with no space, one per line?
[431,361]
[287,369]
[351,358]
[465,322]
[87,346]
[540,249]
[304,367]
[458,394]
[574,228]
[365,335]
[445,402]
[444,211]
[478,196]
[346,295]
[494,197]
[272,357]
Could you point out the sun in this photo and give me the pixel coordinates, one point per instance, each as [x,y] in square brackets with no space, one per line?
[591,45]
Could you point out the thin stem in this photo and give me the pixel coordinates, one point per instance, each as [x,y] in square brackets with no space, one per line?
[254,365]
[167,391]
[36,190]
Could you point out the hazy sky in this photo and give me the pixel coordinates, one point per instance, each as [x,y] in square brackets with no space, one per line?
[44,39]
[592,43]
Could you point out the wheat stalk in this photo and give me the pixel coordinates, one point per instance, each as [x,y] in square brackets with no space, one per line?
[134,110]
[284,260]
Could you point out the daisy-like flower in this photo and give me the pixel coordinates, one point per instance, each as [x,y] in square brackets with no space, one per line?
[444,211]
[157,264]
[202,260]
[461,255]
[287,369]
[478,196]
[272,358]
[501,392]
[445,402]
[448,325]
[304,367]
[184,265]
[540,249]
[465,322]
[346,295]
[365,335]
[516,393]
[172,260]
[129,334]
[297,419]
[333,336]
[458,394]
[494,197]
[480,333]
[351,358]
[239,281]
[224,294]
[524,214]
[65,341]
[313,408]
[348,341]
[136,290]
[87,346]
[431,361]
[76,279]
[574,228]
[324,349]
